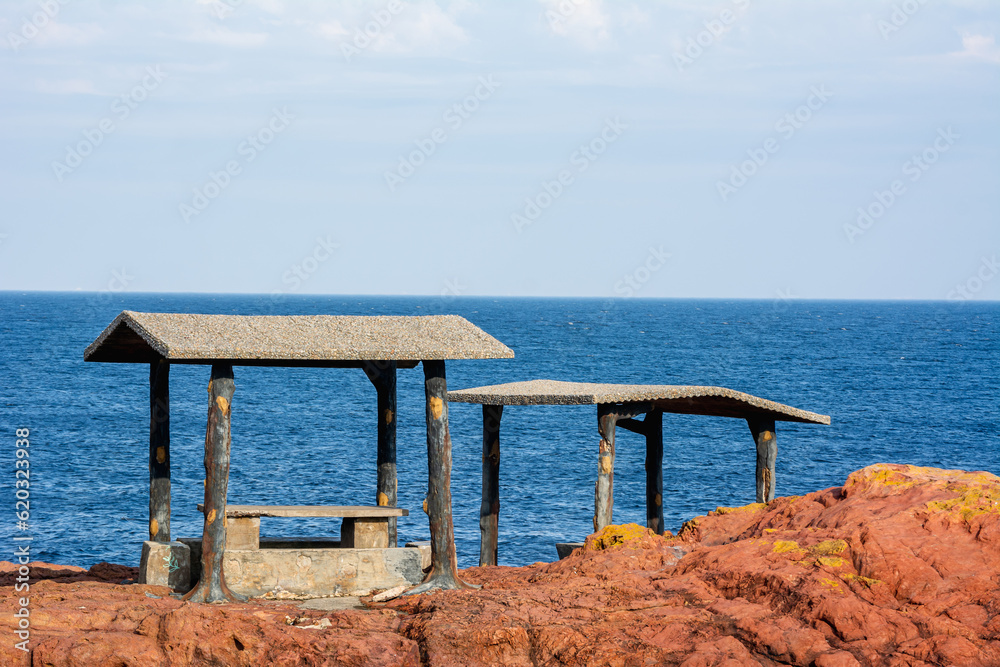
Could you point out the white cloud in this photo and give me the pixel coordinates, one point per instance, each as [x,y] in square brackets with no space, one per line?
[51,35]
[227,37]
[334,30]
[429,31]
[66,87]
[582,21]
[979,47]
[62,34]
[417,29]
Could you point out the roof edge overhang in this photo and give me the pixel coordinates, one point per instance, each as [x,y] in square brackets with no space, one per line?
[126,341]
[710,401]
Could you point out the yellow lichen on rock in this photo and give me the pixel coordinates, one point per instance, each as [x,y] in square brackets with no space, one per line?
[889,477]
[831,561]
[897,477]
[752,507]
[787,546]
[865,581]
[829,547]
[830,583]
[973,499]
[613,536]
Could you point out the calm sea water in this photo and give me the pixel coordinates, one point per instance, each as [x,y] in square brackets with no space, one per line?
[906,382]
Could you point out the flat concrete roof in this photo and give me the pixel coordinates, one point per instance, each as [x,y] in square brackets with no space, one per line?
[683,399]
[291,340]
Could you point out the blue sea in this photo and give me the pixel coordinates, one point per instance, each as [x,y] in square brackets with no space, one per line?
[904,382]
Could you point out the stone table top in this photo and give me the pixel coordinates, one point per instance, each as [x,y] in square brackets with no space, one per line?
[305,511]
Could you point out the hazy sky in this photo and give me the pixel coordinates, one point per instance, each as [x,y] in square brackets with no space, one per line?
[727,148]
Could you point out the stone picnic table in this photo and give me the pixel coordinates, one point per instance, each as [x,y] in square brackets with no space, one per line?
[376,344]
[618,405]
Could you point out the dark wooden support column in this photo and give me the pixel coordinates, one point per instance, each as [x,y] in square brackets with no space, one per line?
[604,496]
[383,375]
[489,509]
[653,425]
[212,585]
[444,572]
[762,429]
[159,451]
[609,417]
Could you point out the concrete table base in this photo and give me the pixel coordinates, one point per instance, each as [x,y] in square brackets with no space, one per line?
[166,564]
[306,570]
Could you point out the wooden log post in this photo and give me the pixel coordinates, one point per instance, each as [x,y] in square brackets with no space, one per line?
[211,587]
[489,509]
[444,572]
[159,451]
[383,375]
[762,429]
[653,426]
[604,489]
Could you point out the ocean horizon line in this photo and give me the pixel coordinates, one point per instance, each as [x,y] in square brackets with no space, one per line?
[465,297]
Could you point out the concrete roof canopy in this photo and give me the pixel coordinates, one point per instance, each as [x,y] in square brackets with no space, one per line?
[683,399]
[291,340]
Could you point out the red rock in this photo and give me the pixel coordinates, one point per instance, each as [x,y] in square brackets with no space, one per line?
[900,566]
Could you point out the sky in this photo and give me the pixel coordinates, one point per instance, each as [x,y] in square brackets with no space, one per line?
[726,148]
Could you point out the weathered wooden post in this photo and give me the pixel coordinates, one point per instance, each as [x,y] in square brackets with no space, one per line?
[653,427]
[383,375]
[159,451]
[489,509]
[212,585]
[604,489]
[762,429]
[444,571]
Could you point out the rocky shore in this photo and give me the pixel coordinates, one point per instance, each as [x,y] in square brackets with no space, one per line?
[899,566]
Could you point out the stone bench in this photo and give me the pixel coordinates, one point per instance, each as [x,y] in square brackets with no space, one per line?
[363,528]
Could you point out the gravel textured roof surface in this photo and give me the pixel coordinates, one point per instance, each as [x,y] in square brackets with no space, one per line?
[685,399]
[139,337]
